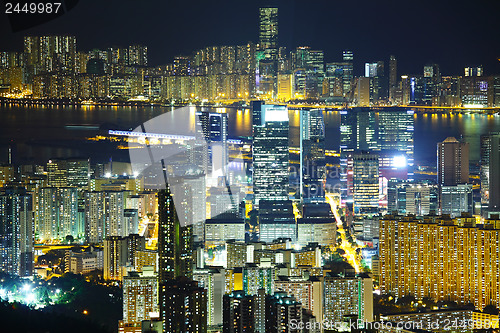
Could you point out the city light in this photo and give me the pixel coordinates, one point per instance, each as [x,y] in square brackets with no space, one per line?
[399,161]
[260,185]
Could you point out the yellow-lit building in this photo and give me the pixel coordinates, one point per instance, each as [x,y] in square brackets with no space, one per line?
[234,279]
[6,174]
[146,258]
[440,258]
[135,185]
[285,87]
[308,257]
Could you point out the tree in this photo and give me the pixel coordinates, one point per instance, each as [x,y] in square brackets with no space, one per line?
[491,309]
[70,239]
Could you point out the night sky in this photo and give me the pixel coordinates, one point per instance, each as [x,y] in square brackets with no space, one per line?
[451,33]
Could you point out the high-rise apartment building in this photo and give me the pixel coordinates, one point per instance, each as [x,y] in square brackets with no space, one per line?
[120,254]
[58,213]
[348,295]
[16,232]
[239,312]
[440,258]
[281,310]
[137,55]
[140,297]
[174,241]
[183,306]
[50,53]
[309,292]
[105,215]
[115,257]
[213,281]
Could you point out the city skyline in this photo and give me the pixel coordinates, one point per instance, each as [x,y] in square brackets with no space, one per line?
[247,187]
[426,42]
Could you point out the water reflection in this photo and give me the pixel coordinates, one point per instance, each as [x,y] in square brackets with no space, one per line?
[41,130]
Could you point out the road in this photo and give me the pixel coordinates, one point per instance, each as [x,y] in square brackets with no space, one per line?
[350,250]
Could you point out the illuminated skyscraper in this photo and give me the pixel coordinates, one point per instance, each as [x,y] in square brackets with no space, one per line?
[311,62]
[347,75]
[183,305]
[119,252]
[57,173]
[268,32]
[78,173]
[95,231]
[115,257]
[214,130]
[363,91]
[182,66]
[495,84]
[340,77]
[213,280]
[358,132]
[417,198]
[431,82]
[396,140]
[138,55]
[378,81]
[174,241]
[71,173]
[16,232]
[114,205]
[490,180]
[475,91]
[312,155]
[6,174]
[270,152]
[309,292]
[285,87]
[317,225]
[365,183]
[393,78]
[258,277]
